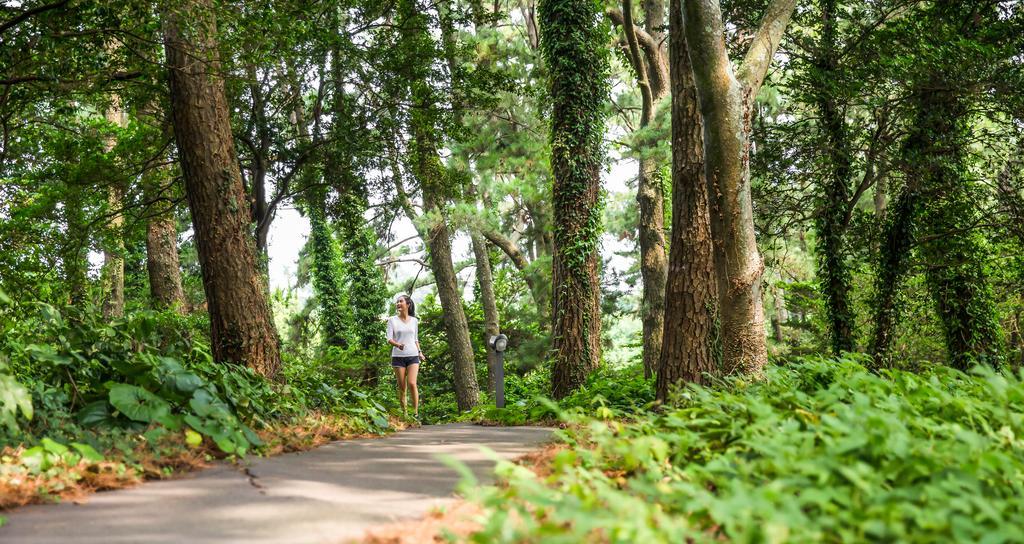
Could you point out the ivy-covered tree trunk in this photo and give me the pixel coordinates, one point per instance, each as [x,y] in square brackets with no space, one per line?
[241,326]
[725,101]
[366,290]
[897,240]
[938,208]
[833,194]
[113,239]
[162,261]
[575,54]
[327,275]
[691,325]
[328,284]
[956,276]
[74,255]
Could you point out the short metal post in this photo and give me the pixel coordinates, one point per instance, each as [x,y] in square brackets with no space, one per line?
[499,381]
[498,343]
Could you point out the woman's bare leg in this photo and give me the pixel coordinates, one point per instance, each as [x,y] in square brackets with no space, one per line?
[400,376]
[413,370]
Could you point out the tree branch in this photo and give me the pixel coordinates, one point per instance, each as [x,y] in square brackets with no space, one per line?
[654,54]
[21,17]
[766,42]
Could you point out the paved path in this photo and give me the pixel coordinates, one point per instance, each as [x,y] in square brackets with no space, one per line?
[329,494]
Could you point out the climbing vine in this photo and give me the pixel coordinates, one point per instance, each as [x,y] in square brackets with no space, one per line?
[574,47]
[328,279]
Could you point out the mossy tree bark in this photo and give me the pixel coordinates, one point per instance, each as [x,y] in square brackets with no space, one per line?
[956,252]
[725,100]
[834,191]
[691,326]
[241,327]
[575,53]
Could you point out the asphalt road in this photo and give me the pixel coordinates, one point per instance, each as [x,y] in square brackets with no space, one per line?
[329,494]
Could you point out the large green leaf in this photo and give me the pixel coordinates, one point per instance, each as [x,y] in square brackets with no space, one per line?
[204,403]
[94,413]
[177,378]
[138,404]
[13,398]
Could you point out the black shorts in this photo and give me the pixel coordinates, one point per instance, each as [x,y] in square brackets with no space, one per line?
[404,362]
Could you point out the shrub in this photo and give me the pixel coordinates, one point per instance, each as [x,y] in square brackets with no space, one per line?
[819,451]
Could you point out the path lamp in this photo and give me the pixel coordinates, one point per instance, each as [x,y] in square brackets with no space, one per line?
[498,344]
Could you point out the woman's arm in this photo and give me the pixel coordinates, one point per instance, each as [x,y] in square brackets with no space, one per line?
[391,334]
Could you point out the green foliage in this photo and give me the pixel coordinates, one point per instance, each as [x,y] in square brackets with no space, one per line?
[334,383]
[146,369]
[819,451]
[606,394]
[328,279]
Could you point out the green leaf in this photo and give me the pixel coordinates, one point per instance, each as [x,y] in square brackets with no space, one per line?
[94,413]
[55,448]
[35,459]
[87,452]
[138,404]
[193,438]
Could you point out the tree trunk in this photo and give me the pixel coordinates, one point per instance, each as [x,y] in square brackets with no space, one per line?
[162,261]
[241,326]
[428,169]
[327,280]
[74,255]
[725,102]
[956,253]
[833,273]
[779,315]
[467,392]
[881,196]
[571,38]
[651,199]
[897,240]
[691,322]
[489,303]
[328,283]
[113,245]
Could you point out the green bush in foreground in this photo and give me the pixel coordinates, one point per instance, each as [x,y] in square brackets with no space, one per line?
[820,451]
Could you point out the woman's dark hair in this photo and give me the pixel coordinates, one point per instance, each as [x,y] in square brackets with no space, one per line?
[410,305]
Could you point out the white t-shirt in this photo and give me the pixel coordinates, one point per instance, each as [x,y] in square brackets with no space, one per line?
[404,332]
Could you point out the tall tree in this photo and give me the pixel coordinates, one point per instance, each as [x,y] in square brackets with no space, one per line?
[113,241]
[726,98]
[436,183]
[650,68]
[241,327]
[834,194]
[573,47]
[959,47]
[691,298]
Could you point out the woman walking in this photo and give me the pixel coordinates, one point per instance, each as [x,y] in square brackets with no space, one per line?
[403,331]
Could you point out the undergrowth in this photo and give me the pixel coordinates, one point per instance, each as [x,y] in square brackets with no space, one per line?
[819,451]
[89,404]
